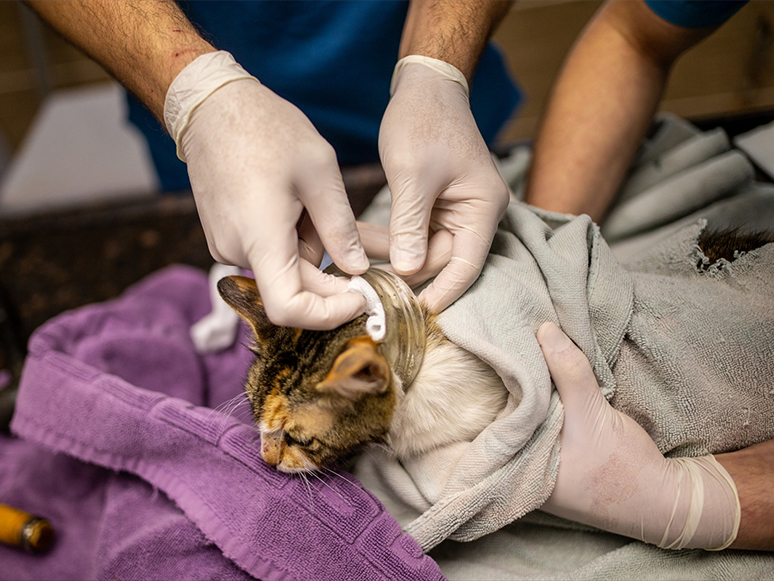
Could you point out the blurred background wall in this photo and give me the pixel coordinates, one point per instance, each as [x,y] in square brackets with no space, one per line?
[731,72]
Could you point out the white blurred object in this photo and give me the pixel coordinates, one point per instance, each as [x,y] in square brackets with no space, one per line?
[80,149]
[217,330]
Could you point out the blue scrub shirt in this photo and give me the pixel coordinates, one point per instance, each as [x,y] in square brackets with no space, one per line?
[696,13]
[333,60]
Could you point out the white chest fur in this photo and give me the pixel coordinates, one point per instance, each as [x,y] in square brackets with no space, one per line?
[453,398]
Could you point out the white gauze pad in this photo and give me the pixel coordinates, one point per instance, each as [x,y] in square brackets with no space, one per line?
[375,325]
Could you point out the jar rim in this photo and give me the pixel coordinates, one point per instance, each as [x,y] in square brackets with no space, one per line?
[405,337]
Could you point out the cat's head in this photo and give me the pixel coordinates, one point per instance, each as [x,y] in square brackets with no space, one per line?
[317,396]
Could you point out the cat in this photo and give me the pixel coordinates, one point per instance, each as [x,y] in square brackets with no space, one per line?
[320,397]
[729,244]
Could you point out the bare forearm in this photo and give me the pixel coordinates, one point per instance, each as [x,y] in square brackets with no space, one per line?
[602,106]
[753,472]
[144,43]
[604,98]
[454,31]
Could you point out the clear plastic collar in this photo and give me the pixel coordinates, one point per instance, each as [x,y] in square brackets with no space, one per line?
[405,338]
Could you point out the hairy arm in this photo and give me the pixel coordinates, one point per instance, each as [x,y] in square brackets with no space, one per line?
[602,105]
[753,472]
[144,44]
[454,31]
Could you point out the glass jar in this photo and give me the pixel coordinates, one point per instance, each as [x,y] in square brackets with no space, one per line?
[405,332]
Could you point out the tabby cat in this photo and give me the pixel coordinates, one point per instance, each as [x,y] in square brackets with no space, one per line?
[319,397]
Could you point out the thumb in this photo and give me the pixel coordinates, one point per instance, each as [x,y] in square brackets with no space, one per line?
[571,372]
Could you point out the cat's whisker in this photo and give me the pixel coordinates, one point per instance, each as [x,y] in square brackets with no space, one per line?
[371,454]
[238,404]
[328,486]
[309,490]
[230,401]
[337,474]
[234,402]
[238,407]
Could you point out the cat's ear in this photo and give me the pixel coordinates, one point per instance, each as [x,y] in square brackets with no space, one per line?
[241,294]
[359,369]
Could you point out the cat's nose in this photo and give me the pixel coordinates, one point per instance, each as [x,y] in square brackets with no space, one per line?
[270,451]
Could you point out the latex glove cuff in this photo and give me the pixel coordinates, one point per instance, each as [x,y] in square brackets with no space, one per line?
[443,68]
[197,81]
[713,503]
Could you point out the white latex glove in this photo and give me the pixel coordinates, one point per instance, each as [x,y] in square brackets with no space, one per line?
[612,475]
[442,179]
[256,164]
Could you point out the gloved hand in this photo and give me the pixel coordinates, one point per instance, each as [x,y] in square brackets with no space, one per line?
[268,191]
[612,475]
[442,179]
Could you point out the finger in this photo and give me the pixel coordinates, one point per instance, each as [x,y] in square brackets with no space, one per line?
[310,247]
[311,311]
[409,221]
[375,239]
[325,198]
[320,283]
[570,369]
[469,251]
[439,249]
[277,271]
[377,244]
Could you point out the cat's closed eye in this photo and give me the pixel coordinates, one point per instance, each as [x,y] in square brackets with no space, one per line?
[298,440]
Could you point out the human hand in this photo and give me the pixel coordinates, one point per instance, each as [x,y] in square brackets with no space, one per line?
[443,181]
[268,190]
[612,475]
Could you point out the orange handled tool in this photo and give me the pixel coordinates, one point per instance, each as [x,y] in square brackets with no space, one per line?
[23,530]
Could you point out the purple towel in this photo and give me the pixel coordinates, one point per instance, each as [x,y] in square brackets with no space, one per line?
[142,478]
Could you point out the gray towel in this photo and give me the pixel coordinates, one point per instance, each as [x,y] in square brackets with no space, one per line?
[688,190]
[682,346]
